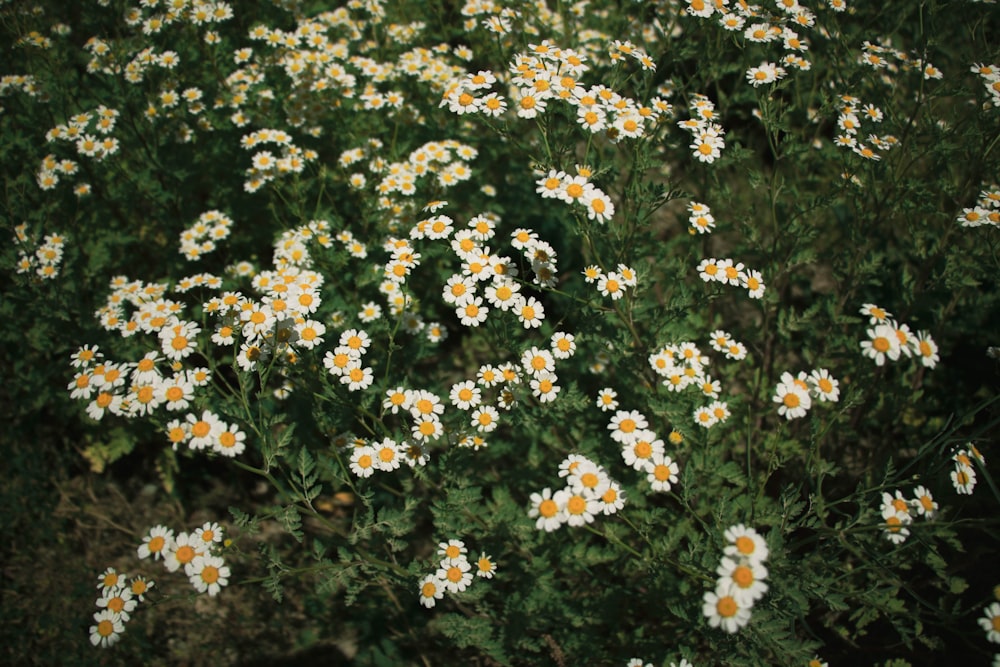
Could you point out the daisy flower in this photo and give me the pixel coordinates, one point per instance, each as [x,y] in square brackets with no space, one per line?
[990,622]
[927,349]
[746,580]
[485,418]
[208,574]
[363,461]
[108,629]
[431,590]
[110,581]
[722,610]
[607,399]
[875,314]
[486,567]
[963,477]
[452,550]
[610,284]
[753,282]
[578,506]
[455,574]
[465,395]
[793,400]
[563,345]
[548,512]
[895,525]
[745,543]
[641,450]
[158,542]
[530,312]
[923,502]
[661,472]
[823,386]
[882,343]
[625,424]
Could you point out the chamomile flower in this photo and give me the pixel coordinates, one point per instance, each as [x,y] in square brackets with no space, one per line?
[895,525]
[611,284]
[875,314]
[363,461]
[990,622]
[642,449]
[486,567]
[485,418]
[746,579]
[184,549]
[661,472]
[208,574]
[625,424]
[530,312]
[963,478]
[882,343]
[579,507]
[431,590]
[823,387]
[547,510]
[107,629]
[745,543]
[120,601]
[452,550]
[563,345]
[923,502]
[158,542]
[465,395]
[722,610]
[927,349]
[793,401]
[607,399]
[110,581]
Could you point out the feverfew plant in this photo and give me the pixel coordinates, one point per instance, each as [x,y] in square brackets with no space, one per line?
[581,299]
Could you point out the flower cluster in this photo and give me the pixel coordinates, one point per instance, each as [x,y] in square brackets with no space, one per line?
[765,27]
[683,365]
[613,283]
[90,134]
[118,599]
[344,361]
[196,552]
[644,450]
[44,258]
[701,219]
[730,272]
[963,476]
[480,265]
[741,580]
[206,431]
[454,573]
[851,115]
[576,190]
[889,339]
[265,165]
[794,394]
[707,135]
[985,212]
[385,455]
[589,491]
[897,512]
[201,237]
[990,75]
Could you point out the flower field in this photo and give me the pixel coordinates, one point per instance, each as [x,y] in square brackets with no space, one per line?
[420,332]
